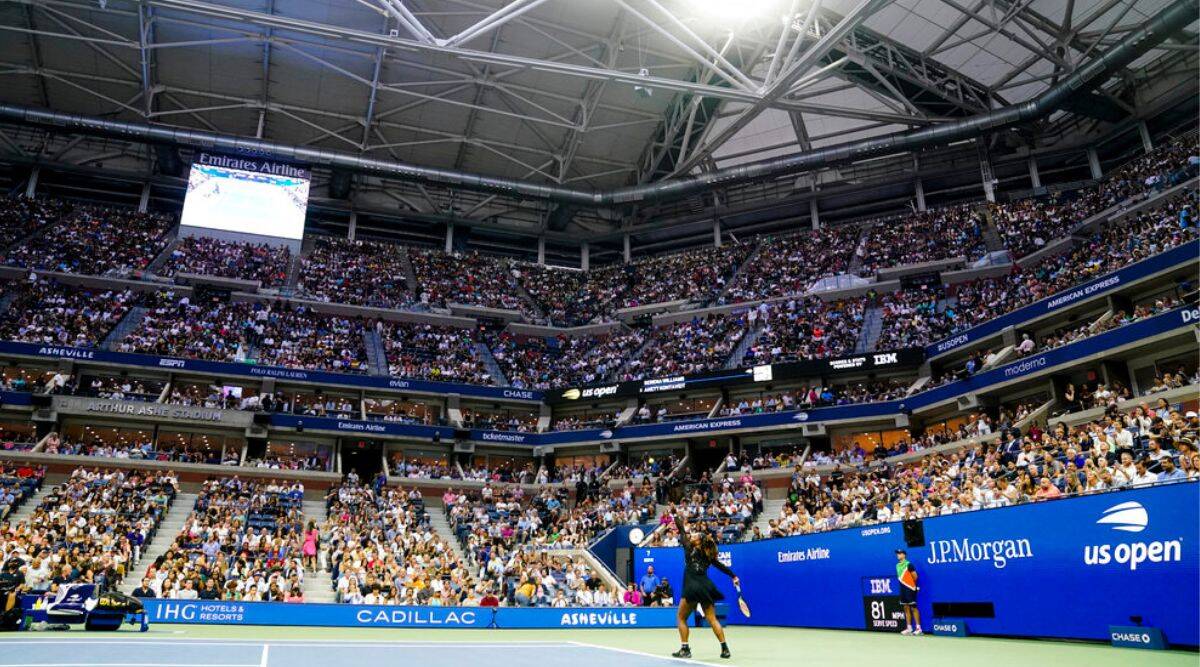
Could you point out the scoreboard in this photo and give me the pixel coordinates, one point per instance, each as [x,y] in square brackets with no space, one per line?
[881,604]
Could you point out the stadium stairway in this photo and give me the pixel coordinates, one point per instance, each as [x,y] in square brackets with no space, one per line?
[6,300]
[441,525]
[856,259]
[489,362]
[132,320]
[26,509]
[771,510]
[991,235]
[164,537]
[376,355]
[749,261]
[161,259]
[739,353]
[318,585]
[871,329]
[410,276]
[539,314]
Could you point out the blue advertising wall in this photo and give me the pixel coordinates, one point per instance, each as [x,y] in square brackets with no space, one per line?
[1187,252]
[377,616]
[255,371]
[1050,569]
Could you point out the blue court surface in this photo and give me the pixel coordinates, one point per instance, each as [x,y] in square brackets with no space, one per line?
[133,652]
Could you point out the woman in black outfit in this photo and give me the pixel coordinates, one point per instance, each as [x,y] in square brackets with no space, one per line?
[699,552]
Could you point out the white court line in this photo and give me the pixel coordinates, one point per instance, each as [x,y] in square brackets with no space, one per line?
[123,664]
[343,643]
[265,659]
[687,661]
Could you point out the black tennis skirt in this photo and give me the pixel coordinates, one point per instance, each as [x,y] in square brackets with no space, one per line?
[699,589]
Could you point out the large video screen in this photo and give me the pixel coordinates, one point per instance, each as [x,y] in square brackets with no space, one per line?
[246,195]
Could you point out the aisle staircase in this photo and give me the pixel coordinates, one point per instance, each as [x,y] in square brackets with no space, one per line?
[6,300]
[739,353]
[751,258]
[771,510]
[164,537]
[410,276]
[991,235]
[441,525]
[161,259]
[872,328]
[132,320]
[490,363]
[318,584]
[376,354]
[26,509]
[855,259]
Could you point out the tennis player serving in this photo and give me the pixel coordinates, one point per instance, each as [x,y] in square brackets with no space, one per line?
[699,553]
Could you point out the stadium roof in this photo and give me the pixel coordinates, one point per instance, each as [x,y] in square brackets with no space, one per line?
[591,93]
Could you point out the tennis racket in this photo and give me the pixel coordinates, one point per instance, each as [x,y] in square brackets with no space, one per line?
[742,601]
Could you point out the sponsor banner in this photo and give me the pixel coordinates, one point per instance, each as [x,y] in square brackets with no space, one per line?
[1088,346]
[948,627]
[231,369]
[908,357]
[1102,285]
[1113,555]
[795,419]
[1135,636]
[256,164]
[151,411]
[210,612]
[16,398]
[361,427]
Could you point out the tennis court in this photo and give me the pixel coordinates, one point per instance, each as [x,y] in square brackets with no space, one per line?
[267,646]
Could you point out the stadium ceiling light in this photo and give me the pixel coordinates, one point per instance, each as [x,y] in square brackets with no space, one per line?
[739,11]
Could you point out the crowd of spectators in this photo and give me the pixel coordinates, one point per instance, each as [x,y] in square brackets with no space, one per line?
[1120,450]
[22,216]
[1027,225]
[533,362]
[925,236]
[698,275]
[95,240]
[275,334]
[804,328]
[469,279]
[380,548]
[359,273]
[46,312]
[817,396]
[568,297]
[692,346]
[18,483]
[789,265]
[243,541]
[207,256]
[88,529]
[725,508]
[432,352]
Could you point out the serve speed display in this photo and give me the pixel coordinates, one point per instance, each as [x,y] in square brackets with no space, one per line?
[881,604]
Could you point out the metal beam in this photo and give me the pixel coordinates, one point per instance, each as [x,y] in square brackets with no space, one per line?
[493,21]
[776,89]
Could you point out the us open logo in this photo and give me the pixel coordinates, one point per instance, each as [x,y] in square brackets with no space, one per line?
[1129,517]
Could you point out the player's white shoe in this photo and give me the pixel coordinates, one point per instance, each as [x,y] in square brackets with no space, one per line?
[906,631]
[918,632]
